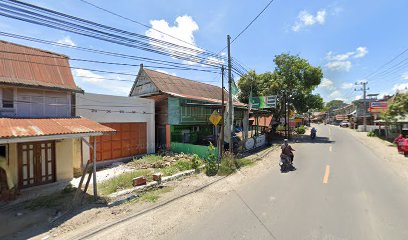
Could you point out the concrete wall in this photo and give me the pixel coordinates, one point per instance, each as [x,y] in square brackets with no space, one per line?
[64,154]
[116,109]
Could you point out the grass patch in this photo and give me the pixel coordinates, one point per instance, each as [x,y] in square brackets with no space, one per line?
[245,162]
[59,199]
[154,195]
[123,181]
[179,166]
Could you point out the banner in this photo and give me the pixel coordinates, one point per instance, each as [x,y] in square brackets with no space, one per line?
[262,102]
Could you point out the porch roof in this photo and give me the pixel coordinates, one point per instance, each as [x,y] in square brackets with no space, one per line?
[30,129]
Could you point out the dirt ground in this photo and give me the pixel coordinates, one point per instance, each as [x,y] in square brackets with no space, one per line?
[188,196]
[386,150]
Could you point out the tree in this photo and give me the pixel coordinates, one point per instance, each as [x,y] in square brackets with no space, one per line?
[398,106]
[293,79]
[333,104]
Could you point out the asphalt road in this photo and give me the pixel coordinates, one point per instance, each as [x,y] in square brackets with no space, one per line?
[340,190]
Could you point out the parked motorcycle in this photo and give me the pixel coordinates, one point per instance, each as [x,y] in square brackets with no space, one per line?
[285,163]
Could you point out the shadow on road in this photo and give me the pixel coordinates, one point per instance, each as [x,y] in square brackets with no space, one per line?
[305,139]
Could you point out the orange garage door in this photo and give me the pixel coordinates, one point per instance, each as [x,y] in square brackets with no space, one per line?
[129,140]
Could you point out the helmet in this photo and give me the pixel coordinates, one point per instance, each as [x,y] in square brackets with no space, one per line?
[286,140]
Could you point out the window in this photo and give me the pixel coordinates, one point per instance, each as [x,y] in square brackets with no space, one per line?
[3,152]
[8,98]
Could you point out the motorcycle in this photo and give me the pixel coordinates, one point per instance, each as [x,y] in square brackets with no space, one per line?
[313,134]
[286,163]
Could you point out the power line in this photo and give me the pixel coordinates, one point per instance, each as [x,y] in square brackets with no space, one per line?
[171,49]
[253,20]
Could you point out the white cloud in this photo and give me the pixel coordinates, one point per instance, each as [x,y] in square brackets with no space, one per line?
[400,87]
[305,19]
[214,61]
[328,84]
[404,76]
[67,40]
[341,62]
[358,97]
[336,95]
[88,76]
[162,71]
[360,52]
[183,29]
[347,85]
[339,65]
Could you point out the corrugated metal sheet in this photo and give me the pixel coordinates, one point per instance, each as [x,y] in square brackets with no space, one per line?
[24,65]
[184,88]
[17,127]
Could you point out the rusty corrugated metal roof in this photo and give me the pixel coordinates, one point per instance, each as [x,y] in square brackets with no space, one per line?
[22,65]
[185,88]
[27,127]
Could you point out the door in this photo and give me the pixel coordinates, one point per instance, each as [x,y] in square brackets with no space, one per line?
[129,140]
[36,163]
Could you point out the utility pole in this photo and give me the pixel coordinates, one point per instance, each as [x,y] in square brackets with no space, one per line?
[364,89]
[221,146]
[230,107]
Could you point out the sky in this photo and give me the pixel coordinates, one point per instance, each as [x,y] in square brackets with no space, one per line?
[352,41]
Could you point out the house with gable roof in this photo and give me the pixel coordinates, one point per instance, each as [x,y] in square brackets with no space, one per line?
[182,109]
[40,136]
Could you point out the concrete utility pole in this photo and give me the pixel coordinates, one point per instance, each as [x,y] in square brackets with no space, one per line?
[230,107]
[364,89]
[221,147]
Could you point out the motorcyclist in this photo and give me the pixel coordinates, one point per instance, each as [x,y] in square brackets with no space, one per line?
[287,150]
[313,132]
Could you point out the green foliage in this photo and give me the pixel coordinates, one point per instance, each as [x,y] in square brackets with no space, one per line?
[293,75]
[280,128]
[123,181]
[179,166]
[211,167]
[169,170]
[242,162]
[300,130]
[397,107]
[148,159]
[154,195]
[196,161]
[333,104]
[228,164]
[371,134]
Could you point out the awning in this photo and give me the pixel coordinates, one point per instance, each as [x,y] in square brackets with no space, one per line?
[41,129]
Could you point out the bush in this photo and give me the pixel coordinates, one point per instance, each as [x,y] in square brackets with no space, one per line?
[300,130]
[228,164]
[196,162]
[211,167]
[280,128]
[371,134]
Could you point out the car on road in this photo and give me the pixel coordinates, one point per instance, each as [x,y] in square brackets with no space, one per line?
[345,124]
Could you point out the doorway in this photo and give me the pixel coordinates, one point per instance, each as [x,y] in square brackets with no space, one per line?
[36,163]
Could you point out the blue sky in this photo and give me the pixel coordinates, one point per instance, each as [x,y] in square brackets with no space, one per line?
[349,39]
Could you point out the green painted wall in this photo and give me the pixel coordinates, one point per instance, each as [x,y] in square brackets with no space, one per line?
[173,111]
[201,151]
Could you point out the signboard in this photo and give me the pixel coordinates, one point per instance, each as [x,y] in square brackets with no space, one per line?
[215,118]
[341,117]
[298,120]
[378,107]
[263,102]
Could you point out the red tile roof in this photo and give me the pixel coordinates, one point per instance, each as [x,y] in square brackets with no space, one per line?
[24,127]
[27,66]
[185,88]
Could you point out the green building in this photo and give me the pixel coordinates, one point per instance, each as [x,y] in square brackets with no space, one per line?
[182,110]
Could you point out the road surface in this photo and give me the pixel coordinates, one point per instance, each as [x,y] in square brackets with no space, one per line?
[341,190]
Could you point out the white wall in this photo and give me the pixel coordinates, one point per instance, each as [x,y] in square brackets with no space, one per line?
[96,106]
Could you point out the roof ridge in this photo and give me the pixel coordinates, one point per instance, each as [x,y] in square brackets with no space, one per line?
[195,81]
[37,49]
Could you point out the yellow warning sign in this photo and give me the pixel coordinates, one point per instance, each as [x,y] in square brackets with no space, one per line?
[215,118]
